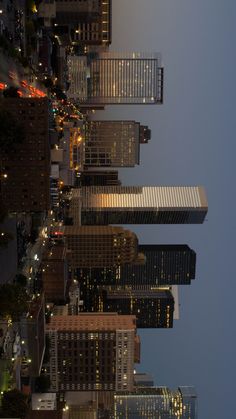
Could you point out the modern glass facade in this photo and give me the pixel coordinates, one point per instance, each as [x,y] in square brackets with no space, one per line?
[111,143]
[143,205]
[125,78]
[164,265]
[153,309]
[156,403]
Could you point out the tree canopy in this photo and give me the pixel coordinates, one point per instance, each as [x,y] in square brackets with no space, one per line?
[13,301]
[21,280]
[14,404]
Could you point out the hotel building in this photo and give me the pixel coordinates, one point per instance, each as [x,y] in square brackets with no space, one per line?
[99,246]
[93,351]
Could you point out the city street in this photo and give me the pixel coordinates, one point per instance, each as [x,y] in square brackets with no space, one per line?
[34,252]
[12,73]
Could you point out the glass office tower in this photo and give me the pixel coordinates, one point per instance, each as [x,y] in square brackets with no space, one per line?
[165,264]
[156,403]
[116,78]
[126,78]
[143,205]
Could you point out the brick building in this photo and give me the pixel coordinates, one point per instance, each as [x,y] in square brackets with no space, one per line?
[93,351]
[25,166]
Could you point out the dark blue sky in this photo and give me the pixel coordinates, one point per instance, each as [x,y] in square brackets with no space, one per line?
[193,143]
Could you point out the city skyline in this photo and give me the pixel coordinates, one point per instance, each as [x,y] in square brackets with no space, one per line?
[73,288]
[194,133]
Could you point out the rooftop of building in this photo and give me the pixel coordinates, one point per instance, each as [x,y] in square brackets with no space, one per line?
[44,401]
[92,322]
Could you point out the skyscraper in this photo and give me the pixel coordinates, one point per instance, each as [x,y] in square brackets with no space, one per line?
[93,351]
[99,246]
[54,268]
[116,78]
[153,308]
[99,178]
[25,166]
[113,143]
[86,22]
[164,265]
[142,205]
[143,380]
[156,402]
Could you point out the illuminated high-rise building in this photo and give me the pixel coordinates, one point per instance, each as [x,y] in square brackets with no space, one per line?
[93,351]
[116,78]
[113,143]
[99,246]
[82,23]
[25,166]
[153,308]
[155,403]
[142,205]
[99,178]
[128,78]
[164,265]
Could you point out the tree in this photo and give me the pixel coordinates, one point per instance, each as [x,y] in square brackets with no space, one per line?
[14,404]
[12,133]
[21,280]
[13,301]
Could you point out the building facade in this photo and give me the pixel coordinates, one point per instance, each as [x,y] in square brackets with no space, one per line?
[156,402]
[143,380]
[104,78]
[99,246]
[113,143]
[100,178]
[54,268]
[125,78]
[164,265]
[25,167]
[153,309]
[92,352]
[143,205]
[85,22]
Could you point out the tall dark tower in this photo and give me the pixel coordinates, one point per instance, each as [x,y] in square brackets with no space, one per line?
[164,265]
[153,308]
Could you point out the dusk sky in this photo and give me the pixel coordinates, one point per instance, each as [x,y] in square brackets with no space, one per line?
[193,143]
